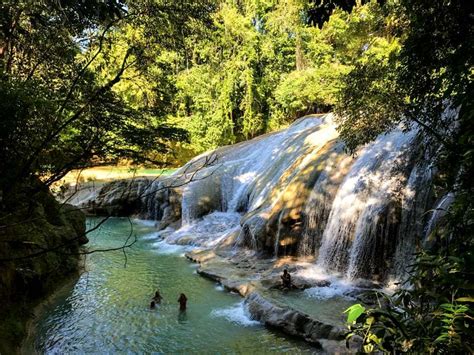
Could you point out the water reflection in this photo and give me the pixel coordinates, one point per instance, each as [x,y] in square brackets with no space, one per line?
[182,317]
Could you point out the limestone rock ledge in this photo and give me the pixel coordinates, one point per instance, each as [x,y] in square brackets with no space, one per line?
[143,197]
[290,321]
[237,272]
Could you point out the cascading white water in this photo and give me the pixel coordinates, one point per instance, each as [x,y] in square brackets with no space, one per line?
[253,175]
[318,206]
[352,212]
[297,192]
[439,212]
[372,183]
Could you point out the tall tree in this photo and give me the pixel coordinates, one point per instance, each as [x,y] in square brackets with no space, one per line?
[427,85]
[60,109]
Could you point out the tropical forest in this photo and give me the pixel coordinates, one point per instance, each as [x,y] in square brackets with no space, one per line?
[236,176]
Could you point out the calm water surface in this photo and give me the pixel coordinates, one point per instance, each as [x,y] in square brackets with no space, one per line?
[106,310]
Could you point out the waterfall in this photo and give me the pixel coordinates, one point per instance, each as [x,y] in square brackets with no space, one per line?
[297,192]
[318,206]
[300,193]
[363,213]
[439,212]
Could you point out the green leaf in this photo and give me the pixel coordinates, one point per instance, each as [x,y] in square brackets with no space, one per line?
[465,299]
[441,338]
[354,312]
[368,348]
[375,339]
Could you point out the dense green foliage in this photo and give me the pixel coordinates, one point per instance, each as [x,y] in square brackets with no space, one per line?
[428,84]
[60,109]
[139,80]
[254,68]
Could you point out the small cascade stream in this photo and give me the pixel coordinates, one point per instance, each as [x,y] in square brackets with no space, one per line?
[362,225]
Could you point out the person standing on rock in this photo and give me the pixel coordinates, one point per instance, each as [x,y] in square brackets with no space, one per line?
[286,279]
[182,302]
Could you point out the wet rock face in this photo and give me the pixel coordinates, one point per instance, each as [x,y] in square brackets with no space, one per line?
[143,197]
[28,278]
[160,204]
[118,198]
[290,321]
[41,242]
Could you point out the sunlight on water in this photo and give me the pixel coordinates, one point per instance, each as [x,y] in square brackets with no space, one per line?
[298,192]
[237,314]
[107,309]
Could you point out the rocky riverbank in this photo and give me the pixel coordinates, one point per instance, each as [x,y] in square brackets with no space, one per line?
[255,278]
[40,241]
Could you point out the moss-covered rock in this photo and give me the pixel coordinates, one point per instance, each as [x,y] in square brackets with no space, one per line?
[39,245]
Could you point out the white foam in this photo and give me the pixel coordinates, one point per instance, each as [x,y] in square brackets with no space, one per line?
[236,314]
[145,222]
[151,236]
[162,247]
[208,231]
[315,273]
[338,288]
[392,285]
[219,287]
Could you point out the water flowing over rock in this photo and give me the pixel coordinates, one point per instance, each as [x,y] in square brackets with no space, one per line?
[297,192]
[361,232]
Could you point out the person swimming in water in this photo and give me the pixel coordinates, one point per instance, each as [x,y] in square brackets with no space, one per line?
[157,298]
[182,302]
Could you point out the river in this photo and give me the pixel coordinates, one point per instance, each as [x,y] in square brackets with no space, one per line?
[107,309]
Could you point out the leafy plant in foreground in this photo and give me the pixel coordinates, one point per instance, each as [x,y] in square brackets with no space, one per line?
[433,314]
